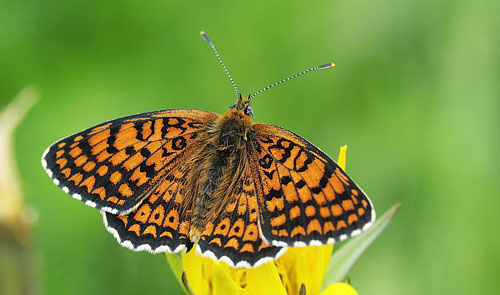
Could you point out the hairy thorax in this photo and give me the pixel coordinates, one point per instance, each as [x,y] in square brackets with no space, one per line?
[221,162]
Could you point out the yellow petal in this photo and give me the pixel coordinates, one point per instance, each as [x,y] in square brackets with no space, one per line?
[264,280]
[223,282]
[192,264]
[339,289]
[239,275]
[284,275]
[207,276]
[342,156]
[306,266]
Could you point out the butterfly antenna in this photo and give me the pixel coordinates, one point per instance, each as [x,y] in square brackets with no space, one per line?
[327,66]
[205,37]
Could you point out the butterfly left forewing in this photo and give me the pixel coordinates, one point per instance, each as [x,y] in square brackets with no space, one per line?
[115,165]
[305,197]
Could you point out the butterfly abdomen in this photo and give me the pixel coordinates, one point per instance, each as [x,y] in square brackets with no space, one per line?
[209,179]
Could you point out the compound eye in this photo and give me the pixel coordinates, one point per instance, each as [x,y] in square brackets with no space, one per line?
[232,106]
[249,111]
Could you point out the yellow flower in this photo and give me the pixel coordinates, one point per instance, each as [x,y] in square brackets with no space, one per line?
[16,218]
[18,271]
[298,271]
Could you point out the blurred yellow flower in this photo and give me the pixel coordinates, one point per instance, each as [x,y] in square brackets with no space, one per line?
[16,218]
[298,271]
[18,267]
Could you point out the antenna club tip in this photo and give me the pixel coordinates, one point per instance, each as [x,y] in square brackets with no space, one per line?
[205,37]
[326,66]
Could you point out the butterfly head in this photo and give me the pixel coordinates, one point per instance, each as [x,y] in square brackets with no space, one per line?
[243,105]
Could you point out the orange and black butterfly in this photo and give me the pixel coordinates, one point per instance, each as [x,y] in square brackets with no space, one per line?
[242,192]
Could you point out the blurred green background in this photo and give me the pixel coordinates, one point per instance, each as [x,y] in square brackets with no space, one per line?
[415,95]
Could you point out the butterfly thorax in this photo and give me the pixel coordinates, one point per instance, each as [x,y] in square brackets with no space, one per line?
[221,163]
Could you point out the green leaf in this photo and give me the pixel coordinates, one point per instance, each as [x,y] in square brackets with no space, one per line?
[343,259]
[175,262]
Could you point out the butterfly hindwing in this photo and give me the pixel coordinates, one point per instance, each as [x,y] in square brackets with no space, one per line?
[115,165]
[158,223]
[306,198]
[234,237]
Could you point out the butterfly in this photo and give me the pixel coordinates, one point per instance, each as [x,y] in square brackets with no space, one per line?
[241,191]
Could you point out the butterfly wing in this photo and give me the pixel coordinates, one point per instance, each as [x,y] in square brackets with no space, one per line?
[234,236]
[161,222]
[115,165]
[306,198]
